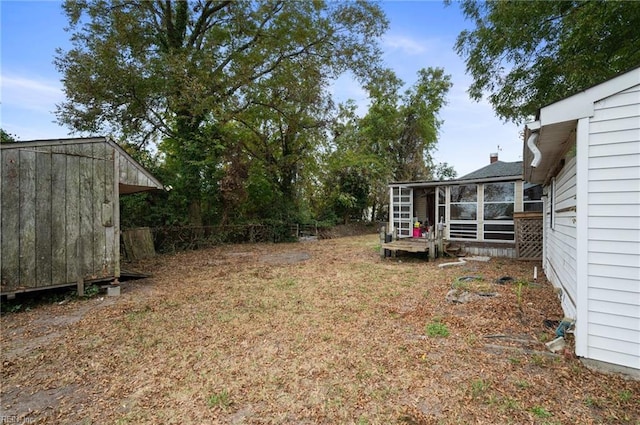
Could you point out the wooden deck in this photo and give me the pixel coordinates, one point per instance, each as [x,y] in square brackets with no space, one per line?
[408,245]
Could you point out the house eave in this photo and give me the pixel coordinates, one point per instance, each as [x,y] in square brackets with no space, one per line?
[556,125]
[435,183]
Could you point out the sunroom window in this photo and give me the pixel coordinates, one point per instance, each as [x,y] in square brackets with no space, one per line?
[463,212]
[498,205]
[532,197]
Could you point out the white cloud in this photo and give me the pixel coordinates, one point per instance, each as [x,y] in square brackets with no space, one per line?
[27,107]
[31,93]
[407,45]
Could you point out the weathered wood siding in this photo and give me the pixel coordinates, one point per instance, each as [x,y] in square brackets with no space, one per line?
[614,230]
[560,240]
[57,223]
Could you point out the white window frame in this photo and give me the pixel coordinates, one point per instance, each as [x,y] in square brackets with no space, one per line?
[509,223]
[454,223]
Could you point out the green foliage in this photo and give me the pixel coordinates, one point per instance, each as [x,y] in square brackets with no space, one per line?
[224,88]
[444,171]
[625,395]
[437,329]
[529,54]
[6,137]
[220,399]
[479,387]
[393,141]
[540,412]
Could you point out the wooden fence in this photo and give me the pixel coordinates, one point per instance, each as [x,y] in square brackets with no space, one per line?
[181,238]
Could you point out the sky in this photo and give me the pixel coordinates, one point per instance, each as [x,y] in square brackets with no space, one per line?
[421,34]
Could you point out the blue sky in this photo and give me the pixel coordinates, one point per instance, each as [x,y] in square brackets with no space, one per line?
[421,35]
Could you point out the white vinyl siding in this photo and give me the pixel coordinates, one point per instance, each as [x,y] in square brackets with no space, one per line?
[613,245]
[560,241]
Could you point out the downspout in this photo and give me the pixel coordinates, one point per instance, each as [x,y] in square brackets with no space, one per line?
[531,144]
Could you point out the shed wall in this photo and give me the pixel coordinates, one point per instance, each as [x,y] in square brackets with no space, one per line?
[613,246]
[58,205]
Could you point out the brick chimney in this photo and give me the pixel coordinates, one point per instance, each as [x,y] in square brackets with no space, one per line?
[493,157]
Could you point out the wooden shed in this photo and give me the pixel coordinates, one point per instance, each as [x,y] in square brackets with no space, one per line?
[60,213]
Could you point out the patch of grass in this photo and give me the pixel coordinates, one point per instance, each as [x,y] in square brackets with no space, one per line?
[514,360]
[91,291]
[543,337]
[138,314]
[522,384]
[11,307]
[591,402]
[518,289]
[479,387]
[509,403]
[625,395]
[460,284]
[538,360]
[31,300]
[220,399]
[541,412]
[437,329]
[471,339]
[286,283]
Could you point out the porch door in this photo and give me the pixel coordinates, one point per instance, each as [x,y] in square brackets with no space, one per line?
[441,205]
[402,211]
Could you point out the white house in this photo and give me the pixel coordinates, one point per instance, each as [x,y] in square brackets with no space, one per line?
[585,151]
[479,210]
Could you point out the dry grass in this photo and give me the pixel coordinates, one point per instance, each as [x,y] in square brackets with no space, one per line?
[320,332]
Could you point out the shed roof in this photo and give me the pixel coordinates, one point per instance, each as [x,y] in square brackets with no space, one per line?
[132,177]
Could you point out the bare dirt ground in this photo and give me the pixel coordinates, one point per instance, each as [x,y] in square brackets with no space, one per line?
[322,332]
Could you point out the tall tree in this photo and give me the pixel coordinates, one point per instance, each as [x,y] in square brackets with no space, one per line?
[176,70]
[523,55]
[284,116]
[412,159]
[395,139]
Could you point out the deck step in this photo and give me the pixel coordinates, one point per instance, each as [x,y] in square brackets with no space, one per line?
[452,250]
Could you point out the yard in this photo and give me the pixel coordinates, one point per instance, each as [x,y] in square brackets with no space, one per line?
[319,332]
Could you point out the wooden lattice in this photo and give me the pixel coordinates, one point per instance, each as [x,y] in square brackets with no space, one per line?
[528,236]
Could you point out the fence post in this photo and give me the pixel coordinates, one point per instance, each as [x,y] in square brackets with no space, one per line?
[432,243]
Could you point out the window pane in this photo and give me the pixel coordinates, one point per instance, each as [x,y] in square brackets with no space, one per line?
[441,196]
[533,206]
[464,193]
[498,211]
[463,231]
[491,227]
[499,236]
[499,192]
[532,192]
[463,211]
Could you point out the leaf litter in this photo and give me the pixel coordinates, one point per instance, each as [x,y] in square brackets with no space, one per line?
[324,332]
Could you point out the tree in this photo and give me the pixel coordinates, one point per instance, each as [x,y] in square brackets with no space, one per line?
[393,141]
[444,171]
[6,137]
[279,128]
[420,125]
[177,71]
[523,55]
